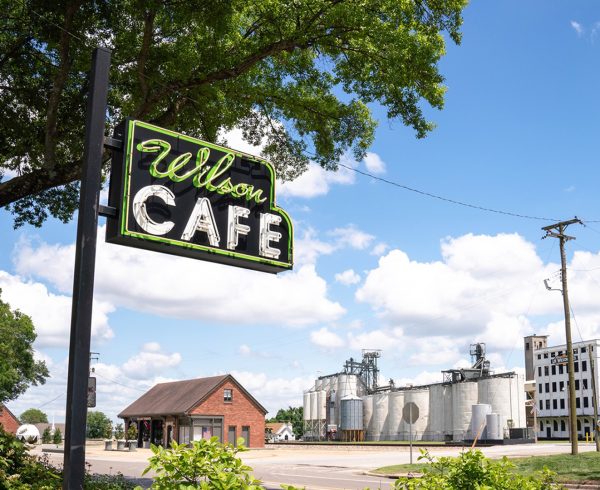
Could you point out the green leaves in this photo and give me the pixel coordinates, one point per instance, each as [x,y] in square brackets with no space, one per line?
[207,464]
[18,368]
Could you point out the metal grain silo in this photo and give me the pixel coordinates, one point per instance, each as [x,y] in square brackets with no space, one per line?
[395,406]
[494,427]
[420,397]
[380,416]
[368,416]
[314,411]
[351,408]
[306,406]
[506,396]
[321,405]
[464,396]
[440,412]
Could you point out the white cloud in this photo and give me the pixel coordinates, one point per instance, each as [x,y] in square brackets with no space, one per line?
[577,27]
[184,288]
[244,350]
[379,249]
[374,163]
[348,277]
[51,313]
[150,362]
[351,236]
[326,339]
[315,182]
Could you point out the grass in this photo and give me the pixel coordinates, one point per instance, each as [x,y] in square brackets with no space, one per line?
[583,467]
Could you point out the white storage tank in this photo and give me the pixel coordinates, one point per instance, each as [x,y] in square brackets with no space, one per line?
[351,409]
[321,405]
[380,415]
[464,396]
[395,405]
[420,397]
[314,411]
[368,416]
[440,412]
[506,395]
[479,420]
[306,406]
[494,427]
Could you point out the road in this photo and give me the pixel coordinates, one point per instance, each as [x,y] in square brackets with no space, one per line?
[316,468]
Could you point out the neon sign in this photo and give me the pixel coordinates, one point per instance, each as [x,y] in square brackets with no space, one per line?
[180,195]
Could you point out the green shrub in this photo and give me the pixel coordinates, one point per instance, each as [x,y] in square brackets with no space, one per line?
[473,471]
[119,432]
[132,433]
[47,436]
[57,436]
[207,464]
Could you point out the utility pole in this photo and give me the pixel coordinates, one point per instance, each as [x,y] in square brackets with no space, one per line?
[557,230]
[594,396]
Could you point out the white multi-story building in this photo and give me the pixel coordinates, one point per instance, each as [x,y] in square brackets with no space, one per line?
[547,367]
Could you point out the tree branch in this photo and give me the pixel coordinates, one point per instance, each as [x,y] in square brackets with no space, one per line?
[144,50]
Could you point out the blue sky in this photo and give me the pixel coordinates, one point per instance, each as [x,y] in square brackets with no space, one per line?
[377,266]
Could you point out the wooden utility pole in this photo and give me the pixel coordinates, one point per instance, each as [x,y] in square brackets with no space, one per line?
[557,230]
[594,396]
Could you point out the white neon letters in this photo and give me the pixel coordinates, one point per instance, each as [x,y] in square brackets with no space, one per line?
[267,235]
[202,219]
[141,214]
[234,227]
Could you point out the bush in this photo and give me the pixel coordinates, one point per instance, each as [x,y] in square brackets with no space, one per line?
[119,432]
[207,464]
[47,436]
[98,425]
[132,432]
[473,471]
[57,436]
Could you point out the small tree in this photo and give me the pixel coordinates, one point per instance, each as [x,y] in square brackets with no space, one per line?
[119,432]
[57,436]
[33,416]
[47,436]
[132,432]
[98,425]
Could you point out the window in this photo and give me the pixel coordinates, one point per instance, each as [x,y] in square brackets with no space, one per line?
[539,370]
[560,369]
[552,354]
[546,371]
[227,395]
[585,384]
[562,403]
[541,425]
[541,405]
[575,351]
[577,403]
[561,386]
[576,367]
[540,388]
[562,425]
[547,387]
[553,386]
[539,356]
[555,426]
[576,384]
[583,350]
[585,402]
[526,345]
[554,404]
[578,425]
[547,404]
[205,428]
[546,355]
[584,365]
[553,370]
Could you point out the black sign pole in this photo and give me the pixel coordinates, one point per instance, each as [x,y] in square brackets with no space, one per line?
[83,281]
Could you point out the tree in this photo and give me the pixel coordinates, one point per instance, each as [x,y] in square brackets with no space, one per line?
[18,368]
[294,76]
[47,435]
[33,416]
[57,436]
[293,415]
[98,425]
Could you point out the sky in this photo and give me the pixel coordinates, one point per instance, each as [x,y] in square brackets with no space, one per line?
[377,266]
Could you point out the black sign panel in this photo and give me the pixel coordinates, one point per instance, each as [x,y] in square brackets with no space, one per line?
[181,195]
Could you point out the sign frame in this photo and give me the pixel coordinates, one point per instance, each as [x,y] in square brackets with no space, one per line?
[121,231]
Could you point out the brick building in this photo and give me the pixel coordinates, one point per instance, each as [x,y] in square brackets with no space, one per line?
[197,409]
[8,421]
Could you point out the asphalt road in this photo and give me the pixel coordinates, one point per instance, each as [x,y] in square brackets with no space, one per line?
[315,468]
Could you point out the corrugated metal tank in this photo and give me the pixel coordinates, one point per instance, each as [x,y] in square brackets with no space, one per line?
[321,405]
[395,405]
[318,384]
[368,415]
[478,420]
[380,416]
[306,406]
[464,396]
[506,396]
[421,399]
[440,412]
[351,408]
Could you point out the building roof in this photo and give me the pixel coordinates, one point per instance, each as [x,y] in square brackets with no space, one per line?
[4,408]
[179,397]
[274,427]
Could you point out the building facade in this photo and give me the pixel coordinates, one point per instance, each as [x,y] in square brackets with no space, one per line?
[546,366]
[8,421]
[196,409]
